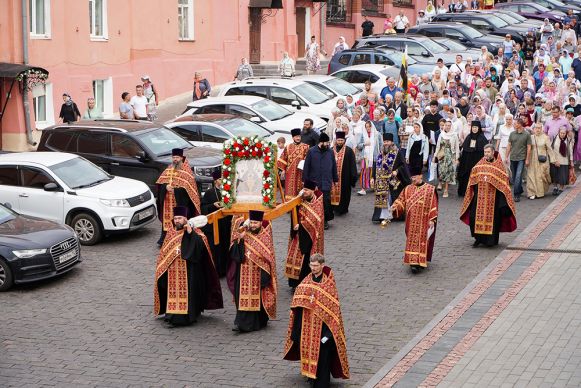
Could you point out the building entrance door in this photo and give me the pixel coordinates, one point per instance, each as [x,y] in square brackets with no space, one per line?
[255,29]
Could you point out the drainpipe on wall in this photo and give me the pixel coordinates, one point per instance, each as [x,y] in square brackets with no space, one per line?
[25,102]
[322,19]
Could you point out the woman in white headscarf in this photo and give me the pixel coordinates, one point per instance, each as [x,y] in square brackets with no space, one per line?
[340,46]
[371,148]
[430,10]
[286,67]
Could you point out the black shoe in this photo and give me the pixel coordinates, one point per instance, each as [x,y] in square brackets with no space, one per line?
[517,199]
[414,269]
[326,226]
[559,192]
[555,191]
[235,328]
[476,243]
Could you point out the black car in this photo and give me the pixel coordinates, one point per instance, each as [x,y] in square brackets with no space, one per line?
[130,148]
[463,33]
[34,249]
[485,23]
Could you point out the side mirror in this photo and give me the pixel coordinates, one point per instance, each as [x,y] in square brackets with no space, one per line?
[141,156]
[52,187]
[425,54]
[296,104]
[330,94]
[8,205]
[255,119]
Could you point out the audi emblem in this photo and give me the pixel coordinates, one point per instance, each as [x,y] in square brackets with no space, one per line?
[66,245]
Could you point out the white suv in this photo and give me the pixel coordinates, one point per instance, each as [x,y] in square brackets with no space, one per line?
[290,93]
[69,189]
[267,113]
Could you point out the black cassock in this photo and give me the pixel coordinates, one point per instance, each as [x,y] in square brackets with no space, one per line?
[404,178]
[202,291]
[220,252]
[469,158]
[501,209]
[305,245]
[348,180]
[247,320]
[182,199]
[326,350]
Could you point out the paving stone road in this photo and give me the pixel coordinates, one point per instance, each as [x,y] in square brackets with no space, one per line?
[94,326]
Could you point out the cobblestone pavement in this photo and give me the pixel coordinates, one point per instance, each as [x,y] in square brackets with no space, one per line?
[95,326]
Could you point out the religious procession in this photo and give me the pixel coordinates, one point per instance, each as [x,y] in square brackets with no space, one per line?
[309,224]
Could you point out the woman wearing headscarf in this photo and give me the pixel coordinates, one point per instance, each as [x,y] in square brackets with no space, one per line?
[546,30]
[418,149]
[286,67]
[430,10]
[340,46]
[69,111]
[446,156]
[501,139]
[562,147]
[538,172]
[472,152]
[371,148]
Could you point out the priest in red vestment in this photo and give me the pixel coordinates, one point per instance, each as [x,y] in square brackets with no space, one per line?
[177,187]
[186,281]
[488,206]
[289,161]
[419,202]
[307,237]
[315,334]
[252,272]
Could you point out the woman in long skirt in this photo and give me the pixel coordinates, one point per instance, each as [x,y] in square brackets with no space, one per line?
[446,155]
[312,56]
[562,147]
[370,151]
[538,175]
[417,151]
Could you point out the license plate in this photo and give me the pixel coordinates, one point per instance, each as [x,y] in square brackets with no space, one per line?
[67,256]
[144,214]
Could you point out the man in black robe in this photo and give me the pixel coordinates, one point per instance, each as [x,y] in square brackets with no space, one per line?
[211,202]
[472,152]
[389,176]
[252,273]
[347,171]
[186,282]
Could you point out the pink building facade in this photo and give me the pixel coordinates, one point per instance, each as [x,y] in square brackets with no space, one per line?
[101,48]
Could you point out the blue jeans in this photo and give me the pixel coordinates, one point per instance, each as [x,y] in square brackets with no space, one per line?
[517,167]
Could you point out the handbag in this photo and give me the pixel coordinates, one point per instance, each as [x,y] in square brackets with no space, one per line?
[572,176]
[541,158]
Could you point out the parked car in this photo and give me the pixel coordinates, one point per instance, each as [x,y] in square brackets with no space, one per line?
[378,56]
[420,48]
[290,93]
[265,112]
[463,33]
[514,18]
[532,10]
[212,130]
[556,5]
[33,249]
[455,46]
[68,189]
[330,84]
[130,148]
[376,74]
[485,23]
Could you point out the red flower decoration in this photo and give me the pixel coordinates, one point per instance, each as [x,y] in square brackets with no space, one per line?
[266,199]
[246,153]
[226,199]
[235,145]
[266,186]
[246,142]
[240,154]
[260,154]
[258,145]
[267,149]
[266,173]
[254,153]
[227,152]
[227,187]
[227,162]
[225,173]
[266,159]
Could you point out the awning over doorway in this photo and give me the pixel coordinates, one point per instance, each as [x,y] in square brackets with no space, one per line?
[277,4]
[11,70]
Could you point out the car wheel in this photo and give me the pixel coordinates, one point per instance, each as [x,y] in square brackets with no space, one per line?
[87,229]
[6,279]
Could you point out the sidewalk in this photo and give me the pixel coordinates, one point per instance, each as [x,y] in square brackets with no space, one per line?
[517,324]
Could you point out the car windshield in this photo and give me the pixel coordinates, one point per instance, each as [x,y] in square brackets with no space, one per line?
[520,18]
[556,3]
[323,89]
[452,45]
[396,57]
[310,94]
[386,72]
[241,127]
[271,110]
[6,214]
[507,18]
[78,173]
[471,32]
[496,21]
[342,87]
[433,47]
[162,140]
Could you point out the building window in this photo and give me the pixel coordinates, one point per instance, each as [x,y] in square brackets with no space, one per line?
[408,3]
[43,105]
[186,19]
[39,11]
[98,19]
[339,11]
[103,94]
[372,6]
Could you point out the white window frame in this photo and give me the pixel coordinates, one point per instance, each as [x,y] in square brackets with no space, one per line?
[107,103]
[188,9]
[92,22]
[49,105]
[32,14]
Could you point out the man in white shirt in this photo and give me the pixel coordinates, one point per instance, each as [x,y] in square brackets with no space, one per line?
[458,66]
[400,23]
[139,104]
[443,69]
